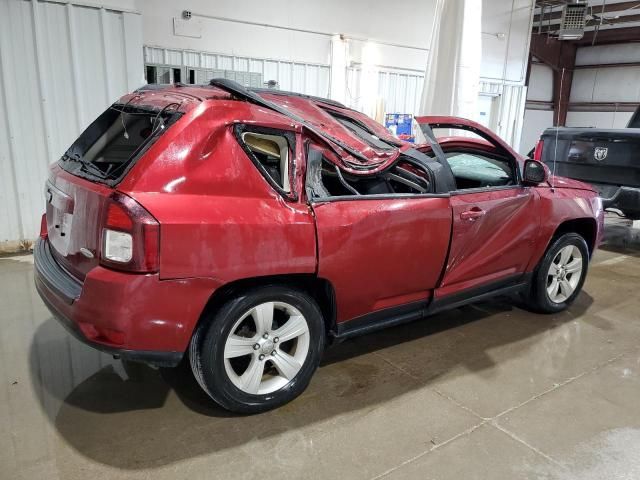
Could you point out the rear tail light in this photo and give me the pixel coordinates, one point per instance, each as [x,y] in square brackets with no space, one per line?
[537,154]
[44,233]
[130,236]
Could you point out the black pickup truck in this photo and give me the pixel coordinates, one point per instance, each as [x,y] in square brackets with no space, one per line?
[607,159]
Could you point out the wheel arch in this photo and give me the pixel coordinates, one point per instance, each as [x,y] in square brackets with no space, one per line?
[320,289]
[587,228]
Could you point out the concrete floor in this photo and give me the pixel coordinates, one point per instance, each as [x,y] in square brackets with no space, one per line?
[486,392]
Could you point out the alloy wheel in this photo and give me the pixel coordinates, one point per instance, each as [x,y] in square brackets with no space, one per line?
[266,348]
[564,274]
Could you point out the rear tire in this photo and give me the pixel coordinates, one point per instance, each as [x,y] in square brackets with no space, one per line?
[259,350]
[559,277]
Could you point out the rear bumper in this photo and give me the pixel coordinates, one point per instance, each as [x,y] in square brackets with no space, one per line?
[159,359]
[136,317]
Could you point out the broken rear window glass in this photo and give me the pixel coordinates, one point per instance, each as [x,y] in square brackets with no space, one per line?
[109,146]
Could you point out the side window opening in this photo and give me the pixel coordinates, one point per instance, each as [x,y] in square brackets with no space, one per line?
[474,170]
[272,153]
[328,180]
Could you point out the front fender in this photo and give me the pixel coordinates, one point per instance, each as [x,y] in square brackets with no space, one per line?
[560,206]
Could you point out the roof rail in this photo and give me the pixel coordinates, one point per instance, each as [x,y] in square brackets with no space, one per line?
[153,86]
[242,92]
[286,93]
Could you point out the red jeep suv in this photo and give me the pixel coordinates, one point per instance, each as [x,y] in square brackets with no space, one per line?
[244,229]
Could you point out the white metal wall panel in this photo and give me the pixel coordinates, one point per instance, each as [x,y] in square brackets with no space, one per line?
[399,90]
[598,119]
[541,83]
[60,66]
[511,113]
[308,78]
[620,84]
[535,122]
[598,54]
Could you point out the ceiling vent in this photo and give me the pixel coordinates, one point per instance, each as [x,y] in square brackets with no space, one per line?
[573,21]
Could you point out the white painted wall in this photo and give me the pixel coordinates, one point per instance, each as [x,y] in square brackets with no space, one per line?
[540,83]
[622,53]
[297,41]
[402,29]
[609,84]
[535,122]
[598,119]
[511,21]
[605,84]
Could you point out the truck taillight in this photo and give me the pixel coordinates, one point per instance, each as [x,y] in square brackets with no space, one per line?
[130,236]
[537,154]
[44,233]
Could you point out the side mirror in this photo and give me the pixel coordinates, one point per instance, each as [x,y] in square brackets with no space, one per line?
[534,172]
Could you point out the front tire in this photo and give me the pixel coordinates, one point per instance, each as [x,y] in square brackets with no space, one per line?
[259,350]
[560,275]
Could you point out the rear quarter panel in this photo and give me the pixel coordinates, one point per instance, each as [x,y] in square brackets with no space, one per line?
[219,217]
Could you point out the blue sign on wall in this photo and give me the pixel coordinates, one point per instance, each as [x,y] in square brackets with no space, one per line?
[401,125]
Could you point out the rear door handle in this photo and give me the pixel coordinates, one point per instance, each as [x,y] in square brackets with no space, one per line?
[472,214]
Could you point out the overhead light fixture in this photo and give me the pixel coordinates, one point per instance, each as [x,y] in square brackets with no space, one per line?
[573,21]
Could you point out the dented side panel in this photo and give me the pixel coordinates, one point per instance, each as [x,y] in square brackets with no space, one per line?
[380,253]
[493,236]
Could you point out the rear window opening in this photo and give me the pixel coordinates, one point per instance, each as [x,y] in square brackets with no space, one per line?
[110,145]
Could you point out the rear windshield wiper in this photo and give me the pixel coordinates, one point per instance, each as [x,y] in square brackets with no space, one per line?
[86,165]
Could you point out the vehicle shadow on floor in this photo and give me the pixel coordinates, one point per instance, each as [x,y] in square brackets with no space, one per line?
[138,418]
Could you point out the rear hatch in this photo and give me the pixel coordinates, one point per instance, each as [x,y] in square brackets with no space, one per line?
[609,157]
[80,186]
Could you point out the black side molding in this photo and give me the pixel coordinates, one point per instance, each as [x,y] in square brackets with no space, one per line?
[508,286]
[417,310]
[380,319]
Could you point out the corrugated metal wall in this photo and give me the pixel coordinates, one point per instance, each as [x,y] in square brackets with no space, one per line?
[400,89]
[60,65]
[307,78]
